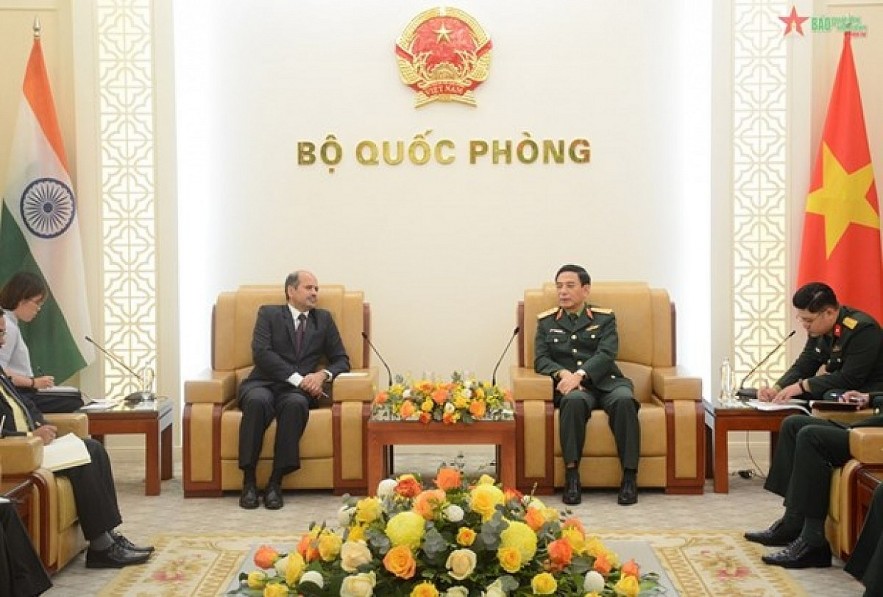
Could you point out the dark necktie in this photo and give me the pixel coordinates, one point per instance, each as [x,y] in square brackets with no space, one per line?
[11,397]
[299,333]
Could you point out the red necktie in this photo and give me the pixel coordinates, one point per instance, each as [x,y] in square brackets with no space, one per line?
[299,333]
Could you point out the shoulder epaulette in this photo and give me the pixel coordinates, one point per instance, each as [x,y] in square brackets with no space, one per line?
[547,313]
[850,322]
[603,310]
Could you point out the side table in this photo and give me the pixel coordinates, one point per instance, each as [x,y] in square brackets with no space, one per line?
[866,481]
[19,492]
[153,419]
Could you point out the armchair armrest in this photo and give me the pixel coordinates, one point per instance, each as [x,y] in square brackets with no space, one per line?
[76,423]
[866,444]
[670,384]
[359,385]
[21,455]
[530,385]
[212,387]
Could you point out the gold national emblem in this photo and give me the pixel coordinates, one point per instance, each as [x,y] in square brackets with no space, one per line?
[443,54]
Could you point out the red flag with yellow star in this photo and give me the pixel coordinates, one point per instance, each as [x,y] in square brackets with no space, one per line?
[841,229]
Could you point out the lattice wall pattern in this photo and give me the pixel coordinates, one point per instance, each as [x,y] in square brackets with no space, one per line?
[126,107]
[760,214]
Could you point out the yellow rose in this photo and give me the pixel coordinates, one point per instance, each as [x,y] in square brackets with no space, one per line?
[521,537]
[354,554]
[257,579]
[543,584]
[368,510]
[426,405]
[406,528]
[400,561]
[485,480]
[329,545]
[466,536]
[485,499]
[627,586]
[425,589]
[276,590]
[461,563]
[576,539]
[358,585]
[510,559]
[356,533]
[295,568]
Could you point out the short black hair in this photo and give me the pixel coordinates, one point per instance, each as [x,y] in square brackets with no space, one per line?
[815,297]
[584,278]
[292,279]
[21,287]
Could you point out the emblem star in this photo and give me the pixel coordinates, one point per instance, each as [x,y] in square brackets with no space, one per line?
[793,22]
[442,34]
[841,199]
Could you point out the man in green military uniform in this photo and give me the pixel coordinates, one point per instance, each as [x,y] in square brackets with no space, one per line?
[576,344]
[842,358]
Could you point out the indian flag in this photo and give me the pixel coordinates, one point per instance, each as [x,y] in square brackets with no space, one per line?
[40,231]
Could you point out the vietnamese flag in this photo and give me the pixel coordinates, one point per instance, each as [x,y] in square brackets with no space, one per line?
[841,229]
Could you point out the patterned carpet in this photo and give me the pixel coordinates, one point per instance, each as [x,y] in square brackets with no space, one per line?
[697,562]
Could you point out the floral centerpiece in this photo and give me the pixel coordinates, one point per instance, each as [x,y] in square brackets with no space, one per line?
[454,540]
[462,399]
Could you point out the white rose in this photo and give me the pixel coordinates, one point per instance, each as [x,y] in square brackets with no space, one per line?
[467,392]
[354,554]
[386,488]
[407,393]
[454,513]
[280,565]
[495,589]
[314,577]
[345,515]
[358,585]
[449,407]
[461,563]
[594,582]
[457,591]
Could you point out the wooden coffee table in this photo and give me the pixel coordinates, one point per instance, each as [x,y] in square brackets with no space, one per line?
[153,419]
[722,420]
[408,433]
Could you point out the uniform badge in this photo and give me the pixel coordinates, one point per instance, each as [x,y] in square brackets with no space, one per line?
[850,322]
[443,55]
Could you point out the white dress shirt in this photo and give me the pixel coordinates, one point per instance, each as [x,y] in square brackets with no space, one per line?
[14,354]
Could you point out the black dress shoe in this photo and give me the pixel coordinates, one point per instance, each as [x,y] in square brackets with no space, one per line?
[800,554]
[248,499]
[115,556]
[573,492]
[775,536]
[628,492]
[273,497]
[121,540]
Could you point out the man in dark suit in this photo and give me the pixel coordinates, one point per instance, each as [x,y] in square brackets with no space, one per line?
[576,344]
[21,572]
[94,490]
[846,345]
[290,344]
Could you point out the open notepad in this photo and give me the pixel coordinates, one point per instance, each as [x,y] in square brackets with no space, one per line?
[793,404]
[65,452]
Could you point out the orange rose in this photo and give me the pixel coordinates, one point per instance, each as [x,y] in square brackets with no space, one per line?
[478,408]
[560,553]
[534,519]
[400,562]
[265,556]
[308,547]
[440,396]
[631,568]
[407,409]
[381,398]
[449,419]
[603,564]
[466,536]
[512,494]
[448,478]
[574,523]
[408,486]
[425,418]
[428,502]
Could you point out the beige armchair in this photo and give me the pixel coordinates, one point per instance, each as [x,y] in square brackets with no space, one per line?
[54,526]
[333,445]
[671,415]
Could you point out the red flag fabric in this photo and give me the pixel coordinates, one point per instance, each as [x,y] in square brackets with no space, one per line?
[841,229]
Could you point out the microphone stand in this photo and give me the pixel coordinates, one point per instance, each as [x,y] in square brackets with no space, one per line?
[505,350]
[375,351]
[751,393]
[139,396]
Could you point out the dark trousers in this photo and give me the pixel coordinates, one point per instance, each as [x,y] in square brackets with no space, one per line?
[94,492]
[21,572]
[576,408]
[260,405]
[808,451]
[866,562]
[54,403]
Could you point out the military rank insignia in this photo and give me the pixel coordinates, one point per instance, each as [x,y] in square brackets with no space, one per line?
[443,55]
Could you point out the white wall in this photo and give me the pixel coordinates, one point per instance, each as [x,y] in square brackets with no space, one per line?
[443,253]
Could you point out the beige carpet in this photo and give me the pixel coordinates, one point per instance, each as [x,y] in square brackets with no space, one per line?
[697,562]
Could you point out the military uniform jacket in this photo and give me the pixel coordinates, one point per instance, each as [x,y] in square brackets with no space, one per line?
[852,354]
[590,342]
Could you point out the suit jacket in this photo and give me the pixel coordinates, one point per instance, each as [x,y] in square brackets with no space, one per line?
[26,401]
[852,354]
[273,343]
[590,343]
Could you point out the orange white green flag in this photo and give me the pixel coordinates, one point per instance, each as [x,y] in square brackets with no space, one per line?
[40,231]
[841,230]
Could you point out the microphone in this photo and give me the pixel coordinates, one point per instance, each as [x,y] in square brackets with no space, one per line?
[374,349]
[505,350]
[751,393]
[138,396]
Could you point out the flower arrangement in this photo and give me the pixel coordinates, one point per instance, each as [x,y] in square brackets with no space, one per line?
[454,540]
[460,400]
